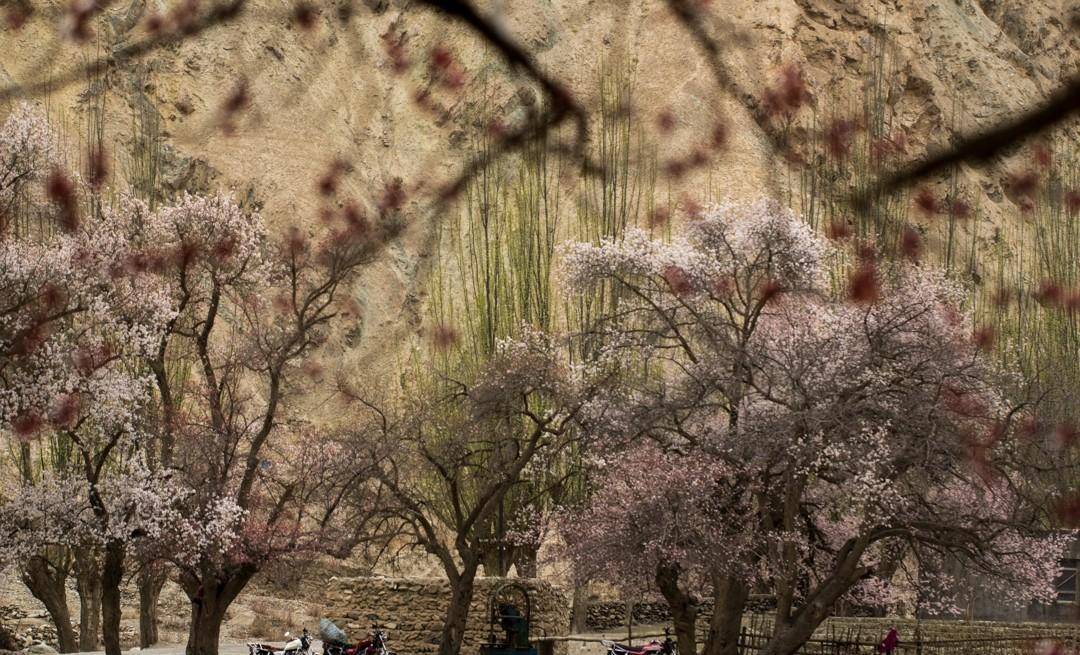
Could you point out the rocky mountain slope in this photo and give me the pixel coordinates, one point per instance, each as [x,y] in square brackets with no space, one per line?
[333,92]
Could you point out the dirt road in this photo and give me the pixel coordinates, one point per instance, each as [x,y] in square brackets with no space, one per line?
[178,649]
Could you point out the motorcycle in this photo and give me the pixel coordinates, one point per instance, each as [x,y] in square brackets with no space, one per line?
[336,643]
[654,647]
[299,646]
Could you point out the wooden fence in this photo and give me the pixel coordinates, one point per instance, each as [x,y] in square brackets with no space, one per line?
[851,641]
[856,639]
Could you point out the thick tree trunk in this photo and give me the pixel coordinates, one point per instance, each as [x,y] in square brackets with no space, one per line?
[112,576]
[210,595]
[457,614]
[88,584]
[579,610]
[46,583]
[785,599]
[204,633]
[729,601]
[150,583]
[790,636]
[684,609]
[791,585]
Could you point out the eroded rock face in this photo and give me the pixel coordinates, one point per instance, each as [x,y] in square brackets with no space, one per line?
[333,92]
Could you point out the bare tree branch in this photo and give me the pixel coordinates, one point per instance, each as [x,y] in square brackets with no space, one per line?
[217,15]
[1061,106]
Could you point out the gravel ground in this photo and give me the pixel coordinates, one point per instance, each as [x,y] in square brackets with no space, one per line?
[224,649]
[590,647]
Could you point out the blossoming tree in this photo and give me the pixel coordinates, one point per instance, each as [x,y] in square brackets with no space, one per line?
[159,349]
[771,436]
[27,152]
[74,327]
[249,310]
[448,452]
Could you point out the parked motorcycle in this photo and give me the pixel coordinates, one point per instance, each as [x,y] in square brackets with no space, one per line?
[298,646]
[336,643]
[654,647]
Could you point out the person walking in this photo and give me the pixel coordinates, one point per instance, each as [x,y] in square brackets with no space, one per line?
[889,643]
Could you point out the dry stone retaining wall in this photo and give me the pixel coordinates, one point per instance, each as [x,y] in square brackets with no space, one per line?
[945,629]
[1018,636]
[611,615]
[413,609]
[607,614]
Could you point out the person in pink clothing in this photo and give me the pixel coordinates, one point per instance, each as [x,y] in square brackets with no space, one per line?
[888,644]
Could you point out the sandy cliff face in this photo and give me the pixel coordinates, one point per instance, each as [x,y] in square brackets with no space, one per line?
[333,92]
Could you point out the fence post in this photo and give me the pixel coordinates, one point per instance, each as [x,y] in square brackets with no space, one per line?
[741,644]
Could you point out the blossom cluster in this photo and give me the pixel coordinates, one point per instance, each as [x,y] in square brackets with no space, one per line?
[766,429]
[86,309]
[731,248]
[27,152]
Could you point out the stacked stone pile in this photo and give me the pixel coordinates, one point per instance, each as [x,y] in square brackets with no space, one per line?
[38,633]
[34,629]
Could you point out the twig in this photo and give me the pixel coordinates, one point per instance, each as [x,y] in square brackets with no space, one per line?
[979,147]
[217,15]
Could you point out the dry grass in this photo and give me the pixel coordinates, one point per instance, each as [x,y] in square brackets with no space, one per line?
[271,619]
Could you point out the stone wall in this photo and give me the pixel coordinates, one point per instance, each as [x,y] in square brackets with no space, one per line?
[945,629]
[412,610]
[607,614]
[1019,635]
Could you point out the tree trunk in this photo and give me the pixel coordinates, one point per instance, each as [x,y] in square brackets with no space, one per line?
[790,636]
[210,595]
[525,561]
[205,631]
[457,614]
[151,581]
[112,576]
[729,601]
[579,610]
[88,584]
[684,609]
[886,570]
[493,566]
[46,583]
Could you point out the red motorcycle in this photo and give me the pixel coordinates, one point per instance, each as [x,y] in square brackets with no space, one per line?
[654,647]
[336,643]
